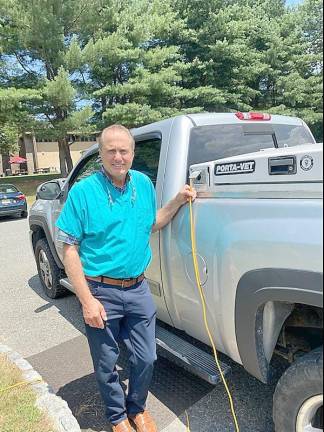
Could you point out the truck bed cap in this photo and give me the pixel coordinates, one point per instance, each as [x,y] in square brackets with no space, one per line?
[287,172]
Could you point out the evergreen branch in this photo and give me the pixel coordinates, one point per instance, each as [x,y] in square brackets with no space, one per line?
[26,69]
[49,119]
[68,29]
[83,79]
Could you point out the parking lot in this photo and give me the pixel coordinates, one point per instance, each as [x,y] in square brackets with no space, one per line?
[49,334]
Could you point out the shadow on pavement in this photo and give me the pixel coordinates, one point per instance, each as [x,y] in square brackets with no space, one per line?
[68,306]
[4,219]
[171,386]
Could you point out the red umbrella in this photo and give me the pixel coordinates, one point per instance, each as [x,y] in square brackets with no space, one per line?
[17,160]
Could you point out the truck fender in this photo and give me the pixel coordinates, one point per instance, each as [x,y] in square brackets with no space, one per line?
[36,223]
[274,292]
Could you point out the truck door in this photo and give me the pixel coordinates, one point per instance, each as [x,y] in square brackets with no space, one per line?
[149,160]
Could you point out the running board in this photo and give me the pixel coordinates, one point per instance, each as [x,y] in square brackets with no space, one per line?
[189,357]
[66,284]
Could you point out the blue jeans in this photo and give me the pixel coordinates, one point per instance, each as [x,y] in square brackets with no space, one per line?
[131,318]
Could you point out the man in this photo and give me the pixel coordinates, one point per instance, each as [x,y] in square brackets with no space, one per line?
[106,225]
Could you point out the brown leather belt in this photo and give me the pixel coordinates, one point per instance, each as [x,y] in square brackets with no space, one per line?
[123,283]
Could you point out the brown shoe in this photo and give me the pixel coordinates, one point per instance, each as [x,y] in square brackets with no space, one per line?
[124,426]
[144,422]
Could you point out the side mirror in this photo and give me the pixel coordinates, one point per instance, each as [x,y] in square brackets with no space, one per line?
[49,191]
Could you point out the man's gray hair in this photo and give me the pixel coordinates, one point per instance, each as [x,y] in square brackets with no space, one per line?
[113,129]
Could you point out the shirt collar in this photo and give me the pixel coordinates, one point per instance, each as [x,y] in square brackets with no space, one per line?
[119,189]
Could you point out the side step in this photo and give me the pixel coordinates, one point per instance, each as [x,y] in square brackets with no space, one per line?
[66,284]
[188,356]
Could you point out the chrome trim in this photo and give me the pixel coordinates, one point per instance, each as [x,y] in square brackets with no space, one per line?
[66,284]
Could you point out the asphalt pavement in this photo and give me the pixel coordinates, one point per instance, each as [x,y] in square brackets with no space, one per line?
[49,334]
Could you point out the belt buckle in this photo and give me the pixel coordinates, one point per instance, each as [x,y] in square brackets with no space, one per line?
[123,282]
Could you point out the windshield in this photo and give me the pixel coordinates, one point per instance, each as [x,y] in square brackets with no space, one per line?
[208,143]
[8,189]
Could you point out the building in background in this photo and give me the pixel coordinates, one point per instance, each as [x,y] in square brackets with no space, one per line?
[43,156]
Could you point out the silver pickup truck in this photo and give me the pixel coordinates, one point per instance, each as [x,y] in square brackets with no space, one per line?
[259,245]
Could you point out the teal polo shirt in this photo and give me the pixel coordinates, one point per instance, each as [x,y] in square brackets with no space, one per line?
[112,227]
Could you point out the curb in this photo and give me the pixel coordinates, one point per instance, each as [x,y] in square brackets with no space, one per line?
[54,406]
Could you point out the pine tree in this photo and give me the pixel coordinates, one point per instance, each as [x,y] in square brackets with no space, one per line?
[134,74]
[35,36]
[255,54]
[14,116]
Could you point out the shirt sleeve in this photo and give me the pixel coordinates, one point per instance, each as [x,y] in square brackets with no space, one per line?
[67,238]
[71,220]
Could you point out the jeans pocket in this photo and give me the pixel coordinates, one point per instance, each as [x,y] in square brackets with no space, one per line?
[148,296]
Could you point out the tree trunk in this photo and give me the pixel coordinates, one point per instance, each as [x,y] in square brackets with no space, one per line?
[63,167]
[68,158]
[66,163]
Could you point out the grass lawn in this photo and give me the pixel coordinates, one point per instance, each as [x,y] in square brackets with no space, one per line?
[18,412]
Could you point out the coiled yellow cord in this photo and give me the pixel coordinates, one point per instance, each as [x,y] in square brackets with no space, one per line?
[204,306]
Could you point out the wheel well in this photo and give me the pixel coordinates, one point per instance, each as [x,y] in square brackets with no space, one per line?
[301,332]
[38,233]
[265,299]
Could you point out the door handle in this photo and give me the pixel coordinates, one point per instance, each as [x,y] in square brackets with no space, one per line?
[283,165]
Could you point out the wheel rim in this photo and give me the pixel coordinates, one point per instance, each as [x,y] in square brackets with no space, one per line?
[306,421]
[45,270]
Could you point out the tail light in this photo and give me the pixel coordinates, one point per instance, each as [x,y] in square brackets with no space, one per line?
[254,116]
[21,197]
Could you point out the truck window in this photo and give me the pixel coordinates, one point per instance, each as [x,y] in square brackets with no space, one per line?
[291,136]
[147,156]
[209,143]
[92,165]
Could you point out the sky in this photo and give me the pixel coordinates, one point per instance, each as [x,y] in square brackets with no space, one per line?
[294,2]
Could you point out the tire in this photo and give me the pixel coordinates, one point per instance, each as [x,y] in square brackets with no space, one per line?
[49,273]
[24,214]
[299,395]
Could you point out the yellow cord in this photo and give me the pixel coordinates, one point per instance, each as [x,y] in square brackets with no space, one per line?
[188,422]
[20,384]
[204,306]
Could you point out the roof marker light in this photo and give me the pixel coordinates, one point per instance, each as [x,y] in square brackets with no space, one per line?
[256,116]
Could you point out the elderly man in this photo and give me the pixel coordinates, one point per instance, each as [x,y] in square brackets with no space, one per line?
[106,225]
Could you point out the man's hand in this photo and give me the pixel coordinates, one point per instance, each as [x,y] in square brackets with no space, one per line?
[166,213]
[185,194]
[94,313]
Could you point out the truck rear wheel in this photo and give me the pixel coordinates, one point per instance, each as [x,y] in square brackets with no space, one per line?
[50,274]
[298,399]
